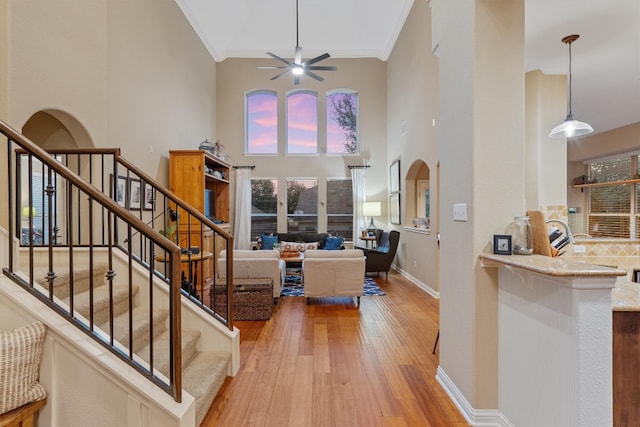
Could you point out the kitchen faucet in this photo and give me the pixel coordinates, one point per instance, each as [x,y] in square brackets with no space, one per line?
[567,230]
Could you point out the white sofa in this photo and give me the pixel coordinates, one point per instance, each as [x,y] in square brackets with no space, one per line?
[246,263]
[333,273]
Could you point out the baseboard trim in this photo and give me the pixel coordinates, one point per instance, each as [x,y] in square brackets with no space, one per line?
[417,282]
[475,417]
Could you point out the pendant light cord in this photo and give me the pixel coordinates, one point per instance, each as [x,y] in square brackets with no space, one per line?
[570,78]
[298,42]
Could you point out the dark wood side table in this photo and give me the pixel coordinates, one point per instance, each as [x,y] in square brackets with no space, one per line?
[193,260]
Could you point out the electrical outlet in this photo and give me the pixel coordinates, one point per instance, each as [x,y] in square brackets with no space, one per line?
[460,212]
[579,249]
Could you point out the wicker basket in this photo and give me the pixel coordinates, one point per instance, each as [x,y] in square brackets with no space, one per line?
[252,298]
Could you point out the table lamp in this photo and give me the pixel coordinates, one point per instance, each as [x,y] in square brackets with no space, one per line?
[371,209]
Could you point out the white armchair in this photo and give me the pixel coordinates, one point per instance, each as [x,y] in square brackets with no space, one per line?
[261,263]
[333,273]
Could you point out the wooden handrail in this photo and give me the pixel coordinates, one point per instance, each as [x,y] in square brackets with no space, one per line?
[73,180]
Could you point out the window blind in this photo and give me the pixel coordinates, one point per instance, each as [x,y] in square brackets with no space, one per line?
[612,209]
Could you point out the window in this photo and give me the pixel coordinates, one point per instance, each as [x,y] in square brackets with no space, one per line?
[424,203]
[613,210]
[264,206]
[342,122]
[340,207]
[302,205]
[262,123]
[302,123]
[38,207]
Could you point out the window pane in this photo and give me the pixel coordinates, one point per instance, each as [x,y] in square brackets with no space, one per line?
[342,123]
[604,203]
[610,206]
[610,170]
[302,123]
[262,123]
[609,226]
[340,207]
[264,206]
[302,205]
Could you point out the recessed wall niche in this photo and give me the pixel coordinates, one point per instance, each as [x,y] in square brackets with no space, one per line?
[417,195]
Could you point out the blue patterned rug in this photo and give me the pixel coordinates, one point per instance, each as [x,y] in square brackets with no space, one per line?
[293,287]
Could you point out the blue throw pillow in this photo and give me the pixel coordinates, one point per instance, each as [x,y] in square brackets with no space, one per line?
[268,241]
[333,243]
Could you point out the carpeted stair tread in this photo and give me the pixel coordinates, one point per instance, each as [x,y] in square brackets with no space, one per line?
[161,351]
[80,278]
[203,378]
[101,302]
[141,326]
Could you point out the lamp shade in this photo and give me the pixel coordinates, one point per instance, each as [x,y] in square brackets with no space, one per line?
[372,209]
[28,210]
[570,128]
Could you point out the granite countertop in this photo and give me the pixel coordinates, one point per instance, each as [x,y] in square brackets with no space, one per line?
[625,296]
[558,267]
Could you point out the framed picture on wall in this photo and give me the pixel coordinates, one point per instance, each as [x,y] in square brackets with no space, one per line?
[394,208]
[149,197]
[135,194]
[394,177]
[119,193]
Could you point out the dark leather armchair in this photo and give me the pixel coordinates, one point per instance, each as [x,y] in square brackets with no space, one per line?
[380,259]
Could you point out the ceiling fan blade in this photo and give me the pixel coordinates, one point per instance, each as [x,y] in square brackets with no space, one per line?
[271,67]
[297,59]
[273,55]
[317,59]
[281,74]
[313,75]
[321,67]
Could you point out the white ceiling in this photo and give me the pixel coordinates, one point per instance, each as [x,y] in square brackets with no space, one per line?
[605,60]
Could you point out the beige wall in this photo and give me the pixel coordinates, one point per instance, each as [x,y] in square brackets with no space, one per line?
[545,158]
[481,164]
[131,74]
[236,77]
[412,91]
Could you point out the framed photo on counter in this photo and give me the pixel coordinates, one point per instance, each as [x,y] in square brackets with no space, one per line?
[501,244]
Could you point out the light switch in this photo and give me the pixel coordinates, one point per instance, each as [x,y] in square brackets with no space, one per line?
[460,212]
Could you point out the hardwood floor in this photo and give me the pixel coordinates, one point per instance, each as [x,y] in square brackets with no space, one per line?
[332,364]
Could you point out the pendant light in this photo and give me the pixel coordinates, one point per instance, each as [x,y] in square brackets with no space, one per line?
[570,127]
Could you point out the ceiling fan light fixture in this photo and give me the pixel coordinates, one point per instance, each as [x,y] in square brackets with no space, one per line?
[296,66]
[570,127]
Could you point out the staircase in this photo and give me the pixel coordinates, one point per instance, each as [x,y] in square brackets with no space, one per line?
[124,340]
[203,371]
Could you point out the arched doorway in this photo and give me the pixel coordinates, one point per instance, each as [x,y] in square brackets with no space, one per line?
[50,130]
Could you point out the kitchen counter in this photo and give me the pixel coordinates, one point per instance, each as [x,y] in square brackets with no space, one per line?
[624,297]
[557,267]
[560,304]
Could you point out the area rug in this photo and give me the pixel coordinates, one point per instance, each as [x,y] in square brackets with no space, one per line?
[293,287]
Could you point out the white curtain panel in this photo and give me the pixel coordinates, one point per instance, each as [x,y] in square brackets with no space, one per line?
[359,187]
[242,217]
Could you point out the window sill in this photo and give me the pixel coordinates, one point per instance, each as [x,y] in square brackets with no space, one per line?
[417,230]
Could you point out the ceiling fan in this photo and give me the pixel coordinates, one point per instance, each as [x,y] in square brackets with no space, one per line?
[297,67]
